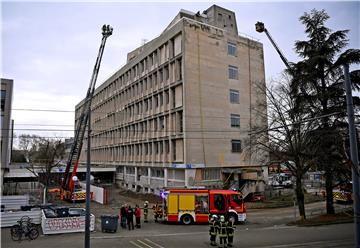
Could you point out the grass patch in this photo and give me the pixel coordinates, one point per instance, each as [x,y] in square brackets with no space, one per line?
[282,201]
[326,219]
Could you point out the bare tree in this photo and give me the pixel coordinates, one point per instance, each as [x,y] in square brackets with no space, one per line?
[43,155]
[288,134]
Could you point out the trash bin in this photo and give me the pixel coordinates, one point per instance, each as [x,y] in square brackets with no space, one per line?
[62,212]
[109,223]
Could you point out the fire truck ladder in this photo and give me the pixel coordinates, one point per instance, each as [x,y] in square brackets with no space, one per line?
[73,159]
[260,27]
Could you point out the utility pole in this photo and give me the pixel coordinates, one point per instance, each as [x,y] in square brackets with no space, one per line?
[354,156]
[106,32]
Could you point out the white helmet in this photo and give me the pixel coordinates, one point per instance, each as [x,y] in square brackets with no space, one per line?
[222,218]
[214,217]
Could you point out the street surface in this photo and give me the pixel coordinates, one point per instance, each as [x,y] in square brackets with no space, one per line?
[265,228]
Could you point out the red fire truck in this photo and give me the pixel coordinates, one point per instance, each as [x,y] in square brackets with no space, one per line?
[196,205]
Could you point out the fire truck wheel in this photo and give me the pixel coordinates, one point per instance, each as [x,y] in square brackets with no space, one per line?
[186,219]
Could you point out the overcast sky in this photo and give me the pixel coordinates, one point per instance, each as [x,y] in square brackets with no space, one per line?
[49,49]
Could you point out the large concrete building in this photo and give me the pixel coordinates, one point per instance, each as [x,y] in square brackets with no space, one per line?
[6,130]
[180,111]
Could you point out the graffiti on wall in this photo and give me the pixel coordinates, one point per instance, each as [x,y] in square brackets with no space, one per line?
[72,223]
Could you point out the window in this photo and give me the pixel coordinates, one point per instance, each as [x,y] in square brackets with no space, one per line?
[202,203]
[161,147]
[236,145]
[146,149]
[231,49]
[161,122]
[234,96]
[3,96]
[161,99]
[211,174]
[233,72]
[235,120]
[219,202]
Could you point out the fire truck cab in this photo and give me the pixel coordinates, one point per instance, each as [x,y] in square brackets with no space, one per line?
[196,205]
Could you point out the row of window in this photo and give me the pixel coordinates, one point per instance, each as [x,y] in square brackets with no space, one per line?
[130,170]
[141,130]
[144,86]
[163,53]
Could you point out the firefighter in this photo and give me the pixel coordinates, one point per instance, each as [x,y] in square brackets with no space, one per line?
[146,211]
[157,212]
[230,229]
[213,230]
[222,232]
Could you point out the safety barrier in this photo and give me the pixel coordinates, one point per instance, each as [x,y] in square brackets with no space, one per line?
[65,224]
[100,194]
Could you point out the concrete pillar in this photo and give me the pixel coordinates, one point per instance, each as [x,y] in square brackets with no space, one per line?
[149,175]
[124,174]
[186,178]
[135,174]
[165,177]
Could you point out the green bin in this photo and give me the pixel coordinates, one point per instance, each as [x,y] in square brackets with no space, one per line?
[109,223]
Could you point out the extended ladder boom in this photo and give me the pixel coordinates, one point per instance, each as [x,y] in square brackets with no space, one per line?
[260,27]
[73,159]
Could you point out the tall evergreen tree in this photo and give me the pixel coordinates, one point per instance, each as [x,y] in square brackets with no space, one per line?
[318,86]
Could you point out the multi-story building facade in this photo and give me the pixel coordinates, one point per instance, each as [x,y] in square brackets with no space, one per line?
[179,113]
[6,130]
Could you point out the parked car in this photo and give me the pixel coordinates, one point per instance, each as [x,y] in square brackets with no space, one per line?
[257,196]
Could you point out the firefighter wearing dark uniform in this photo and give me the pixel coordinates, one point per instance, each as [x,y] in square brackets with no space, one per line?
[230,229]
[212,230]
[146,211]
[222,232]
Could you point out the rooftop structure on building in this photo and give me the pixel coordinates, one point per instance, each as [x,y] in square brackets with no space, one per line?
[180,111]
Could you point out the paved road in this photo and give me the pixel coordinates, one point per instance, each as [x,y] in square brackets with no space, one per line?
[179,236]
[265,228]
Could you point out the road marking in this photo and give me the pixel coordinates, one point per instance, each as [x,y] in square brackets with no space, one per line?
[133,243]
[144,243]
[153,243]
[147,235]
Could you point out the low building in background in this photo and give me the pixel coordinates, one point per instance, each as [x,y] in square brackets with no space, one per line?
[6,126]
[179,113]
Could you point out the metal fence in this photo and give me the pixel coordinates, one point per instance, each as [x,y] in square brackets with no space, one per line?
[10,218]
[13,202]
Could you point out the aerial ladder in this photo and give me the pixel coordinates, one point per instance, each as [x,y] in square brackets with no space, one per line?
[260,27]
[70,190]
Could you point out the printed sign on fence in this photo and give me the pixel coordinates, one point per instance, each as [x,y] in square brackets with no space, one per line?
[66,224]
